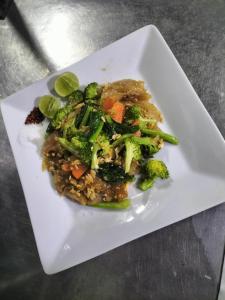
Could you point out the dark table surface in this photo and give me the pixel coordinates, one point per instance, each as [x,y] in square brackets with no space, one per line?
[182,261]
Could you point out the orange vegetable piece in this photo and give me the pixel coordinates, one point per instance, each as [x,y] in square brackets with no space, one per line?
[117,112]
[135,122]
[66,167]
[108,103]
[78,171]
[137,133]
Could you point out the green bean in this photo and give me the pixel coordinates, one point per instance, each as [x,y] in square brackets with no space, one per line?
[165,136]
[112,205]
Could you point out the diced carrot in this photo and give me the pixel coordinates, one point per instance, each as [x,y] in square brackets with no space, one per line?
[135,122]
[78,171]
[66,167]
[137,133]
[108,103]
[117,112]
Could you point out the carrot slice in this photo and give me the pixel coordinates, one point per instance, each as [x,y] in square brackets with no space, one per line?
[108,103]
[136,122]
[66,167]
[78,171]
[117,112]
[137,133]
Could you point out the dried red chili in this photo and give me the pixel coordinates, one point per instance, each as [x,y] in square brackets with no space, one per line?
[34,117]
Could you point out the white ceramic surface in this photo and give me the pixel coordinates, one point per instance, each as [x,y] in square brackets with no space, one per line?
[67,233]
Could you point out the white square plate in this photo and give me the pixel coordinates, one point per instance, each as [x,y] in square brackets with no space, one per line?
[67,233]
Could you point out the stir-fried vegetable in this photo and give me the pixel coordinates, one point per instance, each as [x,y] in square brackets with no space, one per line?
[153,169]
[113,205]
[113,173]
[102,136]
[133,152]
[91,91]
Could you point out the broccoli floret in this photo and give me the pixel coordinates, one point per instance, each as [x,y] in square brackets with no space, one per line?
[113,173]
[148,150]
[104,144]
[133,151]
[83,147]
[156,168]
[70,132]
[68,124]
[101,148]
[61,116]
[78,146]
[146,123]
[149,146]
[153,169]
[67,145]
[146,184]
[76,97]
[91,90]
[132,113]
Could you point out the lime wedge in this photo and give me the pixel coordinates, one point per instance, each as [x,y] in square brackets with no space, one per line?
[66,83]
[48,105]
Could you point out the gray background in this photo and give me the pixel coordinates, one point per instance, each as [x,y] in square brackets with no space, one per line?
[182,261]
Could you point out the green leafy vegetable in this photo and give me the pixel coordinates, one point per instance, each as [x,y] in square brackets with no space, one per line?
[113,173]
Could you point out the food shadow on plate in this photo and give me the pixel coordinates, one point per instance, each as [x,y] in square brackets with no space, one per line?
[183,112]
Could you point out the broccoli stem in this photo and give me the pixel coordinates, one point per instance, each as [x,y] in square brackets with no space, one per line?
[86,116]
[142,140]
[94,161]
[67,145]
[94,136]
[121,139]
[165,136]
[112,205]
[129,155]
[109,119]
[146,184]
